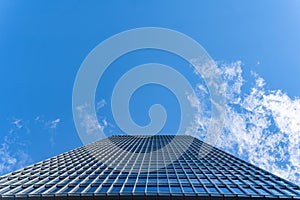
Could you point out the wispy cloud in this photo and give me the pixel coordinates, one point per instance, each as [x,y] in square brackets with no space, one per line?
[12,158]
[202,116]
[13,149]
[262,126]
[18,123]
[50,127]
[100,104]
[88,121]
[53,124]
[92,126]
[48,123]
[7,161]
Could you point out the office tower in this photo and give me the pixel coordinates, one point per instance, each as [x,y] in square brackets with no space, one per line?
[144,167]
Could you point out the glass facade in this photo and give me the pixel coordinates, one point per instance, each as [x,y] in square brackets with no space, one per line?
[130,174]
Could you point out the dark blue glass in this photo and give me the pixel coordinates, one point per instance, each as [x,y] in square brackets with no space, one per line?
[212,189]
[128,188]
[104,188]
[187,189]
[176,189]
[152,189]
[224,190]
[200,189]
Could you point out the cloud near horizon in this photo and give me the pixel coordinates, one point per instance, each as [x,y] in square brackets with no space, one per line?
[261,126]
[89,123]
[14,152]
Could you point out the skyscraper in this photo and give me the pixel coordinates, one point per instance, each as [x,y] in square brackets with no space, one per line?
[142,167]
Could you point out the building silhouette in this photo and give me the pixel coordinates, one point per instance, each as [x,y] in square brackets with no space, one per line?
[144,167]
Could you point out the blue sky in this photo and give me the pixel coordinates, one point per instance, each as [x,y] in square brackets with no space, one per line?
[255,43]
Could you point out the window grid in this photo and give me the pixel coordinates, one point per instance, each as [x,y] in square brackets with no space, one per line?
[77,172]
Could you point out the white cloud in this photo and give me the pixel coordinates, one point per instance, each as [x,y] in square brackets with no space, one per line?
[259,81]
[16,141]
[202,88]
[232,73]
[100,104]
[194,101]
[18,123]
[202,116]
[104,122]
[7,161]
[89,122]
[262,126]
[49,126]
[53,124]
[11,159]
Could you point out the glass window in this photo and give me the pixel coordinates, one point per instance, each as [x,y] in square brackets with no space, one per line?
[259,182]
[187,189]
[142,179]
[104,188]
[289,192]
[247,181]
[88,181]
[116,188]
[249,190]
[200,189]
[173,180]
[237,190]
[110,181]
[30,190]
[192,176]
[275,191]
[183,181]
[212,189]
[269,181]
[91,189]
[204,180]
[128,188]
[226,181]
[131,180]
[68,189]
[151,189]
[194,180]
[262,191]
[215,181]
[176,189]
[56,189]
[139,189]
[164,189]
[43,190]
[79,189]
[224,190]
